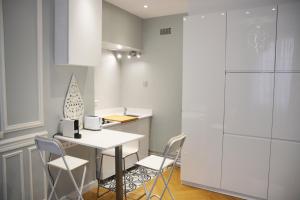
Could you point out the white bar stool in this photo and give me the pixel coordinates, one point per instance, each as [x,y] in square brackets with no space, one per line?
[64,162]
[129,149]
[158,164]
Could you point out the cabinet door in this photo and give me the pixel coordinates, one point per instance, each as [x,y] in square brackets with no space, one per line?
[202,151]
[287,106]
[249,103]
[288,37]
[203,62]
[203,98]
[251,39]
[245,165]
[284,171]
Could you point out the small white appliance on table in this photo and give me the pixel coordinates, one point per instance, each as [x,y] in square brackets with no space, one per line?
[106,139]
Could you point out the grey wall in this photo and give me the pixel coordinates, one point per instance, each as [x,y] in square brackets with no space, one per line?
[121,27]
[155,80]
[57,80]
[108,82]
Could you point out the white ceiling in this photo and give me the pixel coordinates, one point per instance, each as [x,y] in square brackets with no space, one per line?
[155,8]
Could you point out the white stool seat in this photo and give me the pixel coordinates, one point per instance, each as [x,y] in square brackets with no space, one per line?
[154,162]
[127,151]
[72,162]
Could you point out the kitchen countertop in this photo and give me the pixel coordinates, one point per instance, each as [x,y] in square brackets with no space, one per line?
[140,112]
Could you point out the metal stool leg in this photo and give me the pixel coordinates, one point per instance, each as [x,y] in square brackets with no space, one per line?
[137,156]
[82,180]
[124,174]
[75,185]
[55,182]
[143,181]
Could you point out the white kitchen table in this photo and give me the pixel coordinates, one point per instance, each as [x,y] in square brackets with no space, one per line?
[106,139]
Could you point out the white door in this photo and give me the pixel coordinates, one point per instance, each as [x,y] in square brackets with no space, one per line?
[251,40]
[284,171]
[245,165]
[288,37]
[287,106]
[203,98]
[249,104]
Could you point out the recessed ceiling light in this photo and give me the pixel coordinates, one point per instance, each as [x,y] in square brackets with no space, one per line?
[202,16]
[222,13]
[129,56]
[119,56]
[145,6]
[184,19]
[119,46]
[273,9]
[247,12]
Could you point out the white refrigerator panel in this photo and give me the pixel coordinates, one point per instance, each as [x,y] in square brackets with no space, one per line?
[287,106]
[202,152]
[249,104]
[203,98]
[284,171]
[245,165]
[204,63]
[288,38]
[251,39]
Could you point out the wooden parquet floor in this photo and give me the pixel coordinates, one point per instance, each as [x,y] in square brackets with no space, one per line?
[180,192]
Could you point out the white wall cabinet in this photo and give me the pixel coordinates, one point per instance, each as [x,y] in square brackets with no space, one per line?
[249,104]
[288,31]
[284,171]
[78,32]
[203,98]
[251,40]
[287,106]
[245,165]
[142,127]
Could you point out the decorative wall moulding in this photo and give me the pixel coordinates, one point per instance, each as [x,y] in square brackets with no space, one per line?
[6,127]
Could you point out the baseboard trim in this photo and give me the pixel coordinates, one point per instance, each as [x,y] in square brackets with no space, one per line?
[212,189]
[86,188]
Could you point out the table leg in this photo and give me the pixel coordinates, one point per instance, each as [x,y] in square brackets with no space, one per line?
[97,165]
[119,173]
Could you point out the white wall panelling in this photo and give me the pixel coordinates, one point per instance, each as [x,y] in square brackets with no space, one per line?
[286,106]
[22,174]
[251,39]
[10,190]
[14,126]
[284,172]
[203,98]
[34,176]
[249,104]
[288,40]
[78,32]
[245,165]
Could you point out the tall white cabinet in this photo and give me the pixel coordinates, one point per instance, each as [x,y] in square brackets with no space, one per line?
[203,98]
[241,102]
